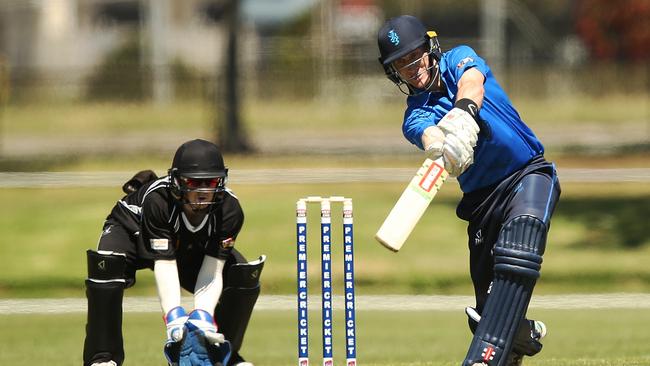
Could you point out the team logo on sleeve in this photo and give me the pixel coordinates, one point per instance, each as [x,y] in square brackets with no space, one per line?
[228,243]
[159,244]
[464,61]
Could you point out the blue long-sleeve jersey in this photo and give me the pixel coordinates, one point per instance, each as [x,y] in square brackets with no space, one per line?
[507,145]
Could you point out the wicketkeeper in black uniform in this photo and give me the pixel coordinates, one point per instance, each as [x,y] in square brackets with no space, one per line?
[184,227]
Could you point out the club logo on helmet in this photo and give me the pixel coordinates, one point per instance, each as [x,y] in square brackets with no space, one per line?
[394,38]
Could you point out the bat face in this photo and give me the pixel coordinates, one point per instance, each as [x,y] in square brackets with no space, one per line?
[411,205]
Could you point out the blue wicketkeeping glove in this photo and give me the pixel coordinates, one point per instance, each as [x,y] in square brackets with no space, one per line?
[202,345]
[175,320]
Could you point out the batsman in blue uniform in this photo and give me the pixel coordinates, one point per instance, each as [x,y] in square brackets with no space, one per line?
[456,110]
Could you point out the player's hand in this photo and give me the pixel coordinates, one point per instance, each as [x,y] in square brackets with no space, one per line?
[461,124]
[203,321]
[175,321]
[457,155]
[461,135]
[433,140]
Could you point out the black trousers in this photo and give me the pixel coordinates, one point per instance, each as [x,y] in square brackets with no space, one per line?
[116,238]
[533,190]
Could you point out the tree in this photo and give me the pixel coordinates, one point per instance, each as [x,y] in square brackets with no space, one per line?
[230,134]
[615,30]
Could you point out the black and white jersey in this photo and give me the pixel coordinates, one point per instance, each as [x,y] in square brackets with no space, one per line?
[155,217]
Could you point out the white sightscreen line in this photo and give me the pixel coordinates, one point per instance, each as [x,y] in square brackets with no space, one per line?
[297,176]
[363,303]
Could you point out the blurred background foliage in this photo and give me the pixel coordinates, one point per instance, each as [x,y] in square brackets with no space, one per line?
[310,69]
[315,49]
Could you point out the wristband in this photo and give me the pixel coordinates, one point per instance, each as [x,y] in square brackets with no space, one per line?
[468,106]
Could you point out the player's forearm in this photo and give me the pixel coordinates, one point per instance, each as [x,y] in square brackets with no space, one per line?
[471,87]
[209,284]
[169,288]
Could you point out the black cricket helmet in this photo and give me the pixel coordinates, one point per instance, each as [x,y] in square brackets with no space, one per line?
[400,36]
[198,166]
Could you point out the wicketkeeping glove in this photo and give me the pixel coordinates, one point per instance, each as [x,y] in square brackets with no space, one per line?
[203,346]
[198,351]
[203,321]
[175,321]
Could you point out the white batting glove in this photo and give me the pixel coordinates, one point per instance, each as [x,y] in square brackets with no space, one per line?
[460,123]
[461,134]
[456,155]
[433,140]
[203,321]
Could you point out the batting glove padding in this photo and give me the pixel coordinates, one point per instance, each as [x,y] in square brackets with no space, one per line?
[461,134]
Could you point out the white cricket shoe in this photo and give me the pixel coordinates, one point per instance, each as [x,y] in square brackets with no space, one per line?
[243,364]
[109,363]
[539,331]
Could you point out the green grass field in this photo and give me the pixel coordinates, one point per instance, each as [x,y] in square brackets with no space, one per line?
[598,241]
[264,116]
[595,244]
[435,338]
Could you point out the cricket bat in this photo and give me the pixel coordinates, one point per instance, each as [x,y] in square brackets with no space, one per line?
[411,205]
